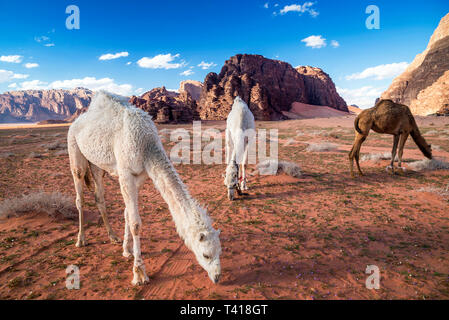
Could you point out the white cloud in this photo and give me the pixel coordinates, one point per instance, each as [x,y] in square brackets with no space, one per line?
[91,83]
[128,63]
[33,85]
[161,61]
[187,72]
[305,8]
[94,84]
[49,44]
[335,43]
[383,71]
[12,85]
[41,39]
[265,5]
[11,59]
[206,65]
[111,56]
[363,97]
[139,91]
[31,65]
[7,76]
[315,42]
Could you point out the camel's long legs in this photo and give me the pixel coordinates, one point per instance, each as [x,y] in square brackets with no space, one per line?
[78,166]
[98,175]
[128,186]
[402,141]
[127,245]
[393,152]
[79,187]
[355,153]
[243,185]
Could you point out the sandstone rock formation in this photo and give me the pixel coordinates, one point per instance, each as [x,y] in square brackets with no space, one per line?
[320,89]
[268,86]
[167,106]
[424,84]
[193,87]
[39,105]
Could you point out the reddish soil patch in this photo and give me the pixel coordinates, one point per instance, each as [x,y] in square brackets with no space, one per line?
[308,238]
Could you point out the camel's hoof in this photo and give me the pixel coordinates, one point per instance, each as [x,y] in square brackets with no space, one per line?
[140,276]
[387,168]
[81,243]
[114,239]
[127,254]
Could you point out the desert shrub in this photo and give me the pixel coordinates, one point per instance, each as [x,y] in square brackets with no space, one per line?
[54,204]
[289,142]
[376,157]
[54,145]
[7,155]
[34,155]
[273,166]
[426,164]
[440,191]
[431,133]
[62,152]
[321,147]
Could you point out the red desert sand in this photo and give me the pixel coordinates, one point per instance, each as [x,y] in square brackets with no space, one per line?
[288,238]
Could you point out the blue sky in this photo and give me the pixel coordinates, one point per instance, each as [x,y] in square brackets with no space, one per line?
[155,43]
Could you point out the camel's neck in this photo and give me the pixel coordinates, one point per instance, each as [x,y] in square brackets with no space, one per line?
[187,215]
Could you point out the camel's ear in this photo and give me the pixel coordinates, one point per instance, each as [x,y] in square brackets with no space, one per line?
[202,236]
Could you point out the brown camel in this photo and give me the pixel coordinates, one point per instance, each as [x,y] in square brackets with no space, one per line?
[391,118]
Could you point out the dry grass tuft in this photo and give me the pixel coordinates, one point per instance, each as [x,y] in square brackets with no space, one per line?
[62,152]
[273,167]
[321,147]
[426,164]
[289,142]
[376,157]
[54,204]
[34,155]
[444,192]
[7,155]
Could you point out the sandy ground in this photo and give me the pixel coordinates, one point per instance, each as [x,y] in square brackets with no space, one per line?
[288,238]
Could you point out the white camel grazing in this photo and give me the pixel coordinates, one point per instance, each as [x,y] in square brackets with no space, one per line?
[239,121]
[116,137]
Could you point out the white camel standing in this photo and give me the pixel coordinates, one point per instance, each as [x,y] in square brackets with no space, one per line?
[122,140]
[238,125]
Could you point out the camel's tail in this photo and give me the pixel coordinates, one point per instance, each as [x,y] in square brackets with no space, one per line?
[356,124]
[419,139]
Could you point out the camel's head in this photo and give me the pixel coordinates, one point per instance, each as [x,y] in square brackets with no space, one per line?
[231,180]
[207,249]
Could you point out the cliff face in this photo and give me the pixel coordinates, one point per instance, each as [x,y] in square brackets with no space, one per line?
[320,89]
[268,86]
[424,85]
[193,87]
[167,106]
[39,105]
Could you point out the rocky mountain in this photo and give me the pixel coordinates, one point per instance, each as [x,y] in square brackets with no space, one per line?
[268,86]
[320,89]
[424,85]
[168,106]
[40,105]
[193,87]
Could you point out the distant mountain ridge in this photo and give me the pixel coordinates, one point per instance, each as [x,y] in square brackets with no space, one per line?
[41,105]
